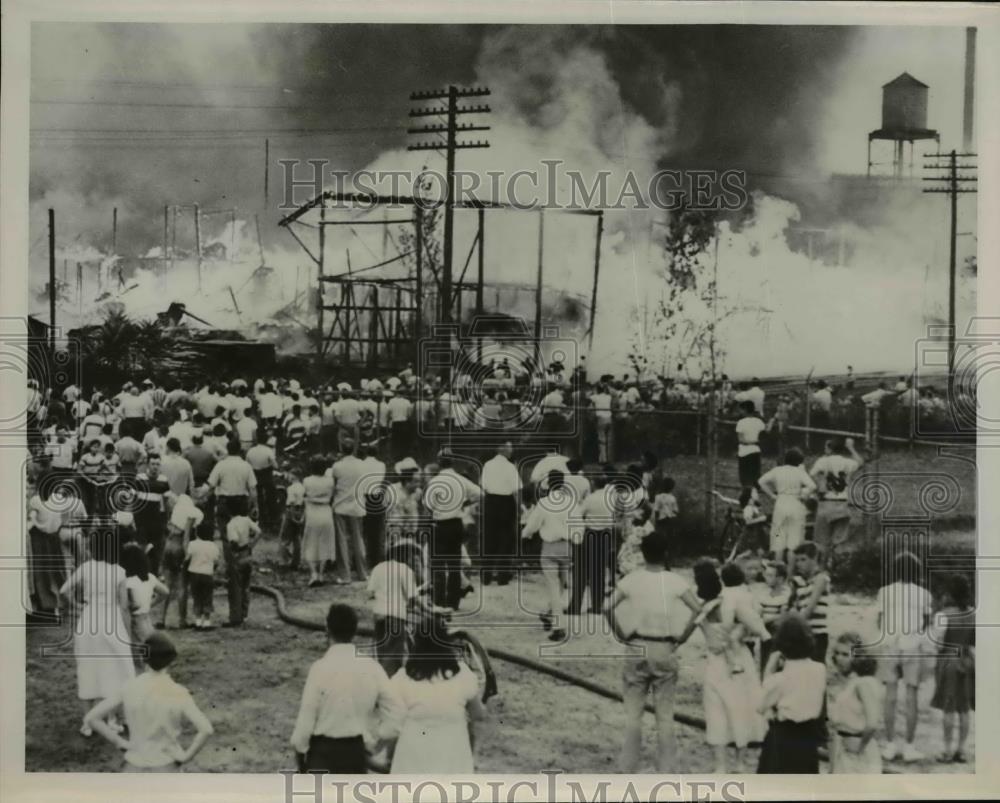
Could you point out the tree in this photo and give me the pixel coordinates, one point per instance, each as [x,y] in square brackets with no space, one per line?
[120,348]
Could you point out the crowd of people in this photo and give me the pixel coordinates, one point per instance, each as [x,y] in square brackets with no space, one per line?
[143,498]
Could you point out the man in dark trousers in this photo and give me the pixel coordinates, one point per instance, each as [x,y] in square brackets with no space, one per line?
[501,484]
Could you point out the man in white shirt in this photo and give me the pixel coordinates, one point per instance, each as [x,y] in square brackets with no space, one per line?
[552,518]
[134,413]
[400,414]
[348,416]
[372,490]
[833,472]
[348,515]
[182,430]
[593,549]
[177,469]
[263,461]
[235,487]
[501,485]
[246,430]
[445,495]
[343,693]
[601,400]
[873,400]
[269,405]
[328,422]
[904,608]
[748,430]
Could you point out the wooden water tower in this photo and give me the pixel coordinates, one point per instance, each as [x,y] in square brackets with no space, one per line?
[904,119]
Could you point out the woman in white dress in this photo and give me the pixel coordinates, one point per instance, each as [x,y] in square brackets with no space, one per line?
[318,535]
[440,697]
[854,701]
[788,485]
[97,592]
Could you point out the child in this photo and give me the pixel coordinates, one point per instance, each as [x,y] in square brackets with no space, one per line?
[155,707]
[183,519]
[292,522]
[112,462]
[754,521]
[773,597]
[630,555]
[955,669]
[665,509]
[392,587]
[731,689]
[242,533]
[854,706]
[793,700]
[202,555]
[648,608]
[739,615]
[143,590]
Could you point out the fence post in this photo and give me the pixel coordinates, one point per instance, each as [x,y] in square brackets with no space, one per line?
[710,433]
[697,433]
[808,400]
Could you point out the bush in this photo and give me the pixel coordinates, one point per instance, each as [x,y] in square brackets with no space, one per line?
[859,568]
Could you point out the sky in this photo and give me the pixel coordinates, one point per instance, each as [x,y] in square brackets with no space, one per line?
[136,116]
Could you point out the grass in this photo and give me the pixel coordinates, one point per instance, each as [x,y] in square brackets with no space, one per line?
[249,682]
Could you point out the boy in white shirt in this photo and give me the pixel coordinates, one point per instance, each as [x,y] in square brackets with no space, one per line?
[242,533]
[290,535]
[202,556]
[183,519]
[665,508]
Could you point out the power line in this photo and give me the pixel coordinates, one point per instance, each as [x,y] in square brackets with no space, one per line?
[953,189]
[450,128]
[184,131]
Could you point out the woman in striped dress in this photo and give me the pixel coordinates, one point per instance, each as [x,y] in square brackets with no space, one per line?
[812,596]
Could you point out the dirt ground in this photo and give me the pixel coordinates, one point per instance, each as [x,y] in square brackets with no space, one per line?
[249,682]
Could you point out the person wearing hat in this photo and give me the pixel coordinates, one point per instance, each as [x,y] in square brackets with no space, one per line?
[155,708]
[404,499]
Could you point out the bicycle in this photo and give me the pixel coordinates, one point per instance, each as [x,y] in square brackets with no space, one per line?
[735,530]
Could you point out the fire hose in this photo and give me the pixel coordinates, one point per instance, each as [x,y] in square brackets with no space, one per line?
[503,655]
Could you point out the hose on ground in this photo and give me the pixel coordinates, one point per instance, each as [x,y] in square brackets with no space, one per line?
[503,655]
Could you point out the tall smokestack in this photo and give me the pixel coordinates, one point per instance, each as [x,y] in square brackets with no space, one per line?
[970,88]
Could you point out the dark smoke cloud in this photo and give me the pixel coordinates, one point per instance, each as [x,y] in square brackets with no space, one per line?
[728,96]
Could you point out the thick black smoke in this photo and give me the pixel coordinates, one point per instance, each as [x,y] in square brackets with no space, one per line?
[729,96]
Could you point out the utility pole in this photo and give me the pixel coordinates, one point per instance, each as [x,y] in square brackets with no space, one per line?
[52,280]
[954,187]
[538,283]
[968,116]
[114,231]
[197,241]
[267,169]
[448,132]
[166,233]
